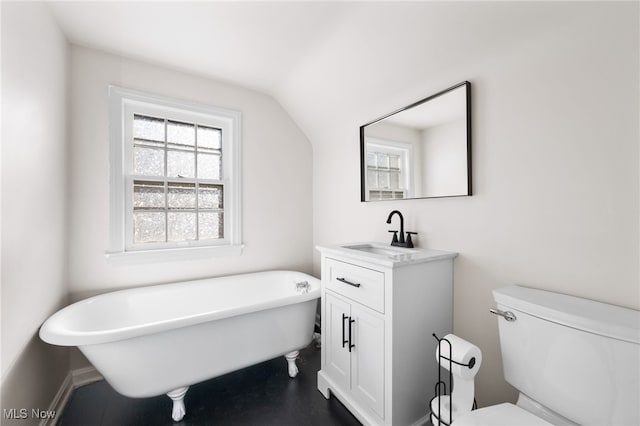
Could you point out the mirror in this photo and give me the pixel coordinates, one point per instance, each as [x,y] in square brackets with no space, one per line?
[420,151]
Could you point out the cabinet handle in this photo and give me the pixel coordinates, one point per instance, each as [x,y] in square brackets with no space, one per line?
[344,341]
[351,346]
[342,280]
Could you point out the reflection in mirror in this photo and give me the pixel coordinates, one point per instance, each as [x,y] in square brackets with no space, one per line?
[421,151]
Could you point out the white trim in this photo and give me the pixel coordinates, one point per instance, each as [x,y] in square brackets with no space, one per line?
[85,376]
[74,380]
[123,102]
[405,150]
[423,421]
[171,254]
[59,401]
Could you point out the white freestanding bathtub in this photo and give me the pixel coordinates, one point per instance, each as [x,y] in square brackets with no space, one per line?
[160,339]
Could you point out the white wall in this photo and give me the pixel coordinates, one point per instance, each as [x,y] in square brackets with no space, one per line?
[34,143]
[555,149]
[444,159]
[276,182]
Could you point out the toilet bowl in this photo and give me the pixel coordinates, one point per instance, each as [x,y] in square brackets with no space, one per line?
[574,361]
[500,415]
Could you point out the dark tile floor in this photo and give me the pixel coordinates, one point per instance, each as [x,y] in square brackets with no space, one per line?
[259,395]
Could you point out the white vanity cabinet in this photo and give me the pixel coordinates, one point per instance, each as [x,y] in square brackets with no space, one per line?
[379,310]
[350,364]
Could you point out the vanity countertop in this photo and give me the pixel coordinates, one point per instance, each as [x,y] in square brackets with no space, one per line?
[385,254]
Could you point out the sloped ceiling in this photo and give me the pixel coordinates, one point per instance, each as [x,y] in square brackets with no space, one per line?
[318,59]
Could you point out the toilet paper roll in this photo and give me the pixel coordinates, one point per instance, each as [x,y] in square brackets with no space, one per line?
[463,352]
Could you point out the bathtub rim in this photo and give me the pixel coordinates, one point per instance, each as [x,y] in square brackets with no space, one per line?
[54,332]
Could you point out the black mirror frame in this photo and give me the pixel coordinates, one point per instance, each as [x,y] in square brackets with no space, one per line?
[363,163]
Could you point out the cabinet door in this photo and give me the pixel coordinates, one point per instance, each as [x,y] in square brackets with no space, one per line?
[337,357]
[367,359]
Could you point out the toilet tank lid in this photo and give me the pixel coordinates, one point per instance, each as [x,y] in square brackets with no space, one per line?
[583,314]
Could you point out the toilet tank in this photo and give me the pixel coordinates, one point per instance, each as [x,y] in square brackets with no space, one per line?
[577,357]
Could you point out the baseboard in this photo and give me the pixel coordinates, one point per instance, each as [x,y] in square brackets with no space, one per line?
[85,376]
[59,401]
[74,380]
[425,421]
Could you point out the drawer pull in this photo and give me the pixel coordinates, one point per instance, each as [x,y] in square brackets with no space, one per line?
[342,280]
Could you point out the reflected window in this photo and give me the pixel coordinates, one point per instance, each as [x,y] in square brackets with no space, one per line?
[388,169]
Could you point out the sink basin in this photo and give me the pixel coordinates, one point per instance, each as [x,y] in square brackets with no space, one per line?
[380,249]
[383,254]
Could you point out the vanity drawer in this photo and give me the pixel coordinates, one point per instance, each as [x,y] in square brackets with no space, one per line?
[362,285]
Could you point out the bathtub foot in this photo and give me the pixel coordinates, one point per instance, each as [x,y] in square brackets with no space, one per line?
[291,360]
[178,403]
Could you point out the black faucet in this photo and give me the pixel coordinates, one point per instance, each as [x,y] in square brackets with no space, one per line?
[400,242]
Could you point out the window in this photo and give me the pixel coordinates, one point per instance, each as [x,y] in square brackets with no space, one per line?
[388,174]
[175,175]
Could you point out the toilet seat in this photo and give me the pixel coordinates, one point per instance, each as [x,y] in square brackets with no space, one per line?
[500,415]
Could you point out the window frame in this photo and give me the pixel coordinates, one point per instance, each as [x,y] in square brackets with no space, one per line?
[405,152]
[124,103]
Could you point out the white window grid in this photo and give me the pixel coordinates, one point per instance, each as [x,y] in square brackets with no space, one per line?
[178,182]
[124,105]
[388,171]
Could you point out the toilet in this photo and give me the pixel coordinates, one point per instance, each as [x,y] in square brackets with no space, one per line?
[573,361]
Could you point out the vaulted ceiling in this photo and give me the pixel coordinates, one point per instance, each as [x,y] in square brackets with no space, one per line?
[318,59]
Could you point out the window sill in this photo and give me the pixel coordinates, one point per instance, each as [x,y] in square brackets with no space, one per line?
[173,254]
